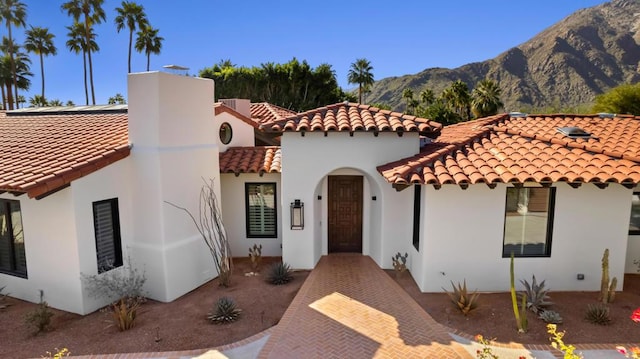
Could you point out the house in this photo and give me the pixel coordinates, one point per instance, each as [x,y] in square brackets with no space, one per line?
[555,190]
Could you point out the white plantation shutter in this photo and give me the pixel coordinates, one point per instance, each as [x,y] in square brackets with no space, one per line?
[261,209]
[107,232]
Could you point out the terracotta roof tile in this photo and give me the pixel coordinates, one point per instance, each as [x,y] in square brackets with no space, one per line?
[352,117]
[526,149]
[40,152]
[264,112]
[267,159]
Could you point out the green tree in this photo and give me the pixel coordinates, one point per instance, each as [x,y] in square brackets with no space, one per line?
[69,103]
[77,43]
[131,16]
[149,42]
[117,99]
[438,111]
[623,99]
[55,102]
[40,42]
[38,101]
[21,63]
[407,95]
[485,99]
[92,13]
[427,97]
[360,73]
[13,12]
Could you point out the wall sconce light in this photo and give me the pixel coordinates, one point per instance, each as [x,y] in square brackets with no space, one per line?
[297,214]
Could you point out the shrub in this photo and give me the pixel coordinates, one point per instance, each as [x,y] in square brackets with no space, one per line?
[598,314]
[558,343]
[225,311]
[461,298]
[40,318]
[400,263]
[537,298]
[550,316]
[279,273]
[124,287]
[60,353]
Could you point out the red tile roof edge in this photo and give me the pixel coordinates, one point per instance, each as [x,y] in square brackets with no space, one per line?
[252,159]
[52,182]
[221,107]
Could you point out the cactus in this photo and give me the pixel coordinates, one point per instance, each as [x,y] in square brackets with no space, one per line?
[255,254]
[607,288]
[400,262]
[521,321]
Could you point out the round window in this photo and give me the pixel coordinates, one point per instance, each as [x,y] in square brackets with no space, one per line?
[225,133]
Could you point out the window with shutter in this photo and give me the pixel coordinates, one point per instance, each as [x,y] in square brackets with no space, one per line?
[261,210]
[106,222]
[12,252]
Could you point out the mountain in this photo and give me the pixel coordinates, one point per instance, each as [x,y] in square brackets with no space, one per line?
[567,64]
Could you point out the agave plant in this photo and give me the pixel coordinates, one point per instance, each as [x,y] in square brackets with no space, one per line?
[461,298]
[550,316]
[537,298]
[225,311]
[279,273]
[598,314]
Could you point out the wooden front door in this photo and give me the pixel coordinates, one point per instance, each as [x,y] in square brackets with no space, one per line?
[345,214]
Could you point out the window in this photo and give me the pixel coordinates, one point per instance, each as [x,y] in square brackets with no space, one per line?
[261,210]
[528,222]
[416,216]
[12,255]
[225,133]
[634,222]
[106,222]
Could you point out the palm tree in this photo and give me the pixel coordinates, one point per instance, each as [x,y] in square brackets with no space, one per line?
[20,62]
[407,95]
[93,14]
[360,73]
[117,99]
[133,17]
[13,12]
[458,99]
[149,42]
[38,101]
[40,41]
[77,43]
[427,97]
[485,98]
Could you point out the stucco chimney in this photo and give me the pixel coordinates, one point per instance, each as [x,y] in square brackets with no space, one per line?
[242,106]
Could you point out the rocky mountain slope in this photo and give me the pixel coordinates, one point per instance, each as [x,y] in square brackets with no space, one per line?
[565,65]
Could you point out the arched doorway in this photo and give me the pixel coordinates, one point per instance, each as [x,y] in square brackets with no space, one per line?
[345,212]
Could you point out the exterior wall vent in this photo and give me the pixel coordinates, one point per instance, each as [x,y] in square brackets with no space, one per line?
[517,114]
[574,132]
[242,106]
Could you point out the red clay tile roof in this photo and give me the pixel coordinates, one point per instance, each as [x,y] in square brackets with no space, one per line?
[264,112]
[267,159]
[220,107]
[41,153]
[352,117]
[504,149]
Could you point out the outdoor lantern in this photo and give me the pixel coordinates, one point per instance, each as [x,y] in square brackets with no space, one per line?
[297,214]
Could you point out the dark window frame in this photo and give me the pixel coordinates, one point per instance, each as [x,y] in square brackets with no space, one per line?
[275,210]
[117,238]
[637,231]
[13,257]
[549,230]
[225,133]
[417,199]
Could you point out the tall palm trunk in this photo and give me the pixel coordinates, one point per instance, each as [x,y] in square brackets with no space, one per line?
[148,60]
[13,69]
[130,43]
[9,95]
[88,41]
[42,72]
[86,89]
[4,99]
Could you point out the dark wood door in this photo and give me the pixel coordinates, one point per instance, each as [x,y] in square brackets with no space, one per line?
[345,214]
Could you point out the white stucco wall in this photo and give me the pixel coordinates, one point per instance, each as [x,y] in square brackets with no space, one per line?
[171,126]
[463,234]
[51,252]
[235,214]
[243,135]
[306,163]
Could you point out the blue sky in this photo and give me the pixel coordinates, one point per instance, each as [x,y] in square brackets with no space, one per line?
[398,37]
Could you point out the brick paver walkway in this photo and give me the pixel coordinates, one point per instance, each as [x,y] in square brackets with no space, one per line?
[350,308]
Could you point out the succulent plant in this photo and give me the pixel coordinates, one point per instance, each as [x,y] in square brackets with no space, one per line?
[550,316]
[537,298]
[598,314]
[224,311]
[279,273]
[461,298]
